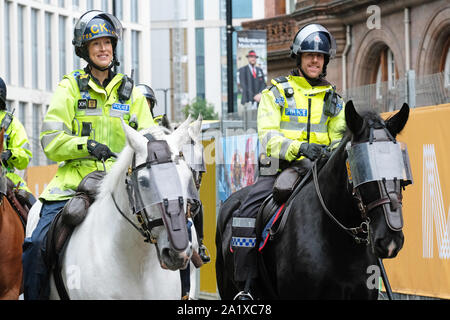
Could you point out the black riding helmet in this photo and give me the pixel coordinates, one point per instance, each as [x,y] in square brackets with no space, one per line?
[92,25]
[2,94]
[149,94]
[314,38]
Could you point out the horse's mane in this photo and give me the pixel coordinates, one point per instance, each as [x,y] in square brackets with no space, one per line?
[367,115]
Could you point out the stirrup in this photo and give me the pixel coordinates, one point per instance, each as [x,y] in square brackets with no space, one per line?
[243,296]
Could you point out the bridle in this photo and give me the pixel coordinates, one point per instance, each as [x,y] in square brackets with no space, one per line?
[361,234]
[158,154]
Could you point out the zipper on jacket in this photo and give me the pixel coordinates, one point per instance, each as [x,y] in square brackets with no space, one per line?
[308,125]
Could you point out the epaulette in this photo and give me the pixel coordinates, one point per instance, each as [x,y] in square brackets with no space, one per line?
[281,79]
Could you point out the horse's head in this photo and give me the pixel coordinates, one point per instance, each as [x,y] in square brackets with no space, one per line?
[378,168]
[193,151]
[159,183]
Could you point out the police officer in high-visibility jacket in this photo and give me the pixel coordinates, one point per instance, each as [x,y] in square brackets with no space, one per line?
[298,116]
[82,130]
[16,150]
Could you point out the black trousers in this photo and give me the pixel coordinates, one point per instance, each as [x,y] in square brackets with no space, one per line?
[243,242]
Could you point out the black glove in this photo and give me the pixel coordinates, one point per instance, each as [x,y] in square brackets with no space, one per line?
[311,150]
[98,150]
[5,156]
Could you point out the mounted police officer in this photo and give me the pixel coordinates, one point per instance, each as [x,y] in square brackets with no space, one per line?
[16,153]
[82,130]
[298,116]
[148,92]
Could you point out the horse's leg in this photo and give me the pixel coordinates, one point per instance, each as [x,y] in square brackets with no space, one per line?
[11,279]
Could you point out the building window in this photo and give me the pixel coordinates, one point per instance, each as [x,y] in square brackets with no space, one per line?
[119,9]
[62,3]
[23,113]
[200,61]
[386,73]
[62,46]
[199,14]
[242,8]
[35,143]
[48,51]
[75,4]
[7,39]
[447,68]
[89,4]
[34,49]
[135,55]
[391,69]
[290,6]
[105,5]
[76,59]
[134,16]
[21,45]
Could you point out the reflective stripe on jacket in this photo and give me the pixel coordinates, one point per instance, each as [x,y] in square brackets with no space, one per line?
[74,116]
[292,112]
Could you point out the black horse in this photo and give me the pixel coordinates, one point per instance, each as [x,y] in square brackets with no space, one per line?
[314,257]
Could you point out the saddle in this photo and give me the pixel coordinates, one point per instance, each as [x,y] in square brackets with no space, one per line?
[18,199]
[273,213]
[62,226]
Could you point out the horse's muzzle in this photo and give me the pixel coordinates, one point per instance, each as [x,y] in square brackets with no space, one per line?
[388,247]
[175,260]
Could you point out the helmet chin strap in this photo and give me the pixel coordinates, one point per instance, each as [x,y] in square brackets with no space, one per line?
[113,63]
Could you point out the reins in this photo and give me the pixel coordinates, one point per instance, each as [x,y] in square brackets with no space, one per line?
[353,232]
[145,229]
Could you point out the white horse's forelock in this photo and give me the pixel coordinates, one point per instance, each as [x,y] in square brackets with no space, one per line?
[123,161]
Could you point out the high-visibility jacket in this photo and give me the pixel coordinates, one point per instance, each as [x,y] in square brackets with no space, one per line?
[15,139]
[77,114]
[291,112]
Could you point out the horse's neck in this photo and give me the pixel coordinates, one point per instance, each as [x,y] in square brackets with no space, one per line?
[333,183]
[121,235]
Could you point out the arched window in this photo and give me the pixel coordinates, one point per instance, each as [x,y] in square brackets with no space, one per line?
[447,68]
[386,74]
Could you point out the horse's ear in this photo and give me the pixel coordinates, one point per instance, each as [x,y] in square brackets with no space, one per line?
[136,140]
[397,122]
[354,121]
[196,128]
[182,128]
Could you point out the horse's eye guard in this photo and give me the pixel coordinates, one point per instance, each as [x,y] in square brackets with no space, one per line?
[377,161]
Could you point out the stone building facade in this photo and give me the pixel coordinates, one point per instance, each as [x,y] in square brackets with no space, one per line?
[377,41]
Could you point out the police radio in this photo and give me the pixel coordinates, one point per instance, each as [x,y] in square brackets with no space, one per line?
[126,88]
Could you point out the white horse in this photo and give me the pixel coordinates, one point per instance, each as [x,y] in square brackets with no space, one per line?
[106,258]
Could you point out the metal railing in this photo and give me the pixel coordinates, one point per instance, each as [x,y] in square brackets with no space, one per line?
[382,97]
